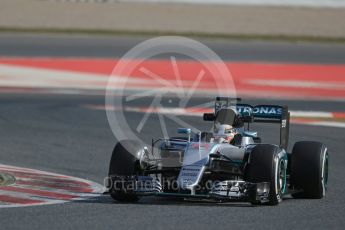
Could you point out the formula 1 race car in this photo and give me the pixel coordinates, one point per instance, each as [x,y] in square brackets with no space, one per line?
[228,164]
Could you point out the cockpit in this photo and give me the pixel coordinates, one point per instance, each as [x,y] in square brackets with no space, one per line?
[228,128]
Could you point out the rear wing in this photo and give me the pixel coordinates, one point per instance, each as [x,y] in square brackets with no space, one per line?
[268,114]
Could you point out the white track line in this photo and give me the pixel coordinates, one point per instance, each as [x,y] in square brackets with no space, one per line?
[298,84]
[198,112]
[321,123]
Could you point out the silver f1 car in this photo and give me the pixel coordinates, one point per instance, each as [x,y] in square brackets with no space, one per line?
[228,164]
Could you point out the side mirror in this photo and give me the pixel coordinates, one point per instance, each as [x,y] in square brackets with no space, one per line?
[209,117]
[184,131]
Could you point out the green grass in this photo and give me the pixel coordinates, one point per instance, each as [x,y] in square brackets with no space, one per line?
[291,38]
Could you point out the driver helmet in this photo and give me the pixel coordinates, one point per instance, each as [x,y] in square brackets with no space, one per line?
[226,133]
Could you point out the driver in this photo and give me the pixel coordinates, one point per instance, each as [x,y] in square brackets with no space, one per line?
[225,134]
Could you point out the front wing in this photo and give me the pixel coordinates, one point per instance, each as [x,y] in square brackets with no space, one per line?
[230,190]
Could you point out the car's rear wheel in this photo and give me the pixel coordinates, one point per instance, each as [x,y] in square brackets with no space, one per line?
[309,169]
[267,163]
[124,162]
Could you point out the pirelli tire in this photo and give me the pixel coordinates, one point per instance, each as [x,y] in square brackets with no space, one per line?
[125,161]
[268,163]
[309,169]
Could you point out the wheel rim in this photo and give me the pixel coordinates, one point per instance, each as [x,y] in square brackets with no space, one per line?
[281,177]
[325,173]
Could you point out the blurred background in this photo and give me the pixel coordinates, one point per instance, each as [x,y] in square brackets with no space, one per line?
[56,57]
[318,19]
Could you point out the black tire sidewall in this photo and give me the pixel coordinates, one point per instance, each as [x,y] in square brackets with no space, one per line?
[307,165]
[124,162]
[264,159]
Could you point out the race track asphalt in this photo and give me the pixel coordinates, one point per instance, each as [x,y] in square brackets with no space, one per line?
[56,133]
[116,46]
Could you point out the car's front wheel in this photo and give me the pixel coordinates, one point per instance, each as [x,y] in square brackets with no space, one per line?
[267,163]
[124,162]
